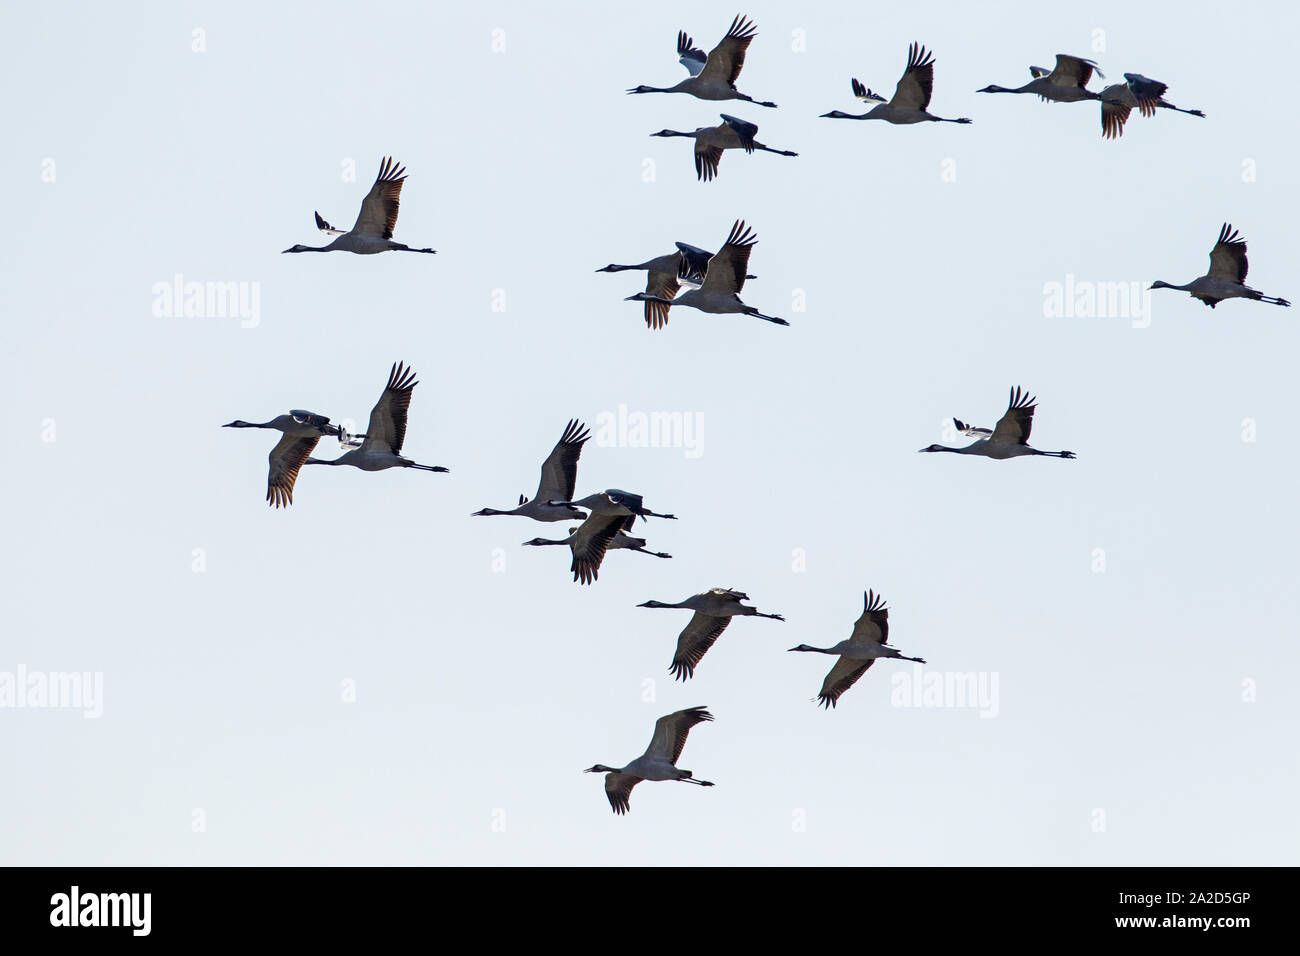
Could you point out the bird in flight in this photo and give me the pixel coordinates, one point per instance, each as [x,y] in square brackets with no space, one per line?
[713,76]
[911,98]
[1009,438]
[659,762]
[1227,276]
[373,230]
[386,432]
[868,642]
[300,431]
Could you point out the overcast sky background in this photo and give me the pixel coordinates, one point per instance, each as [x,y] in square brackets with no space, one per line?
[920,256]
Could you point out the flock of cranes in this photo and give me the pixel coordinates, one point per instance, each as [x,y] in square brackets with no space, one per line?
[604,521]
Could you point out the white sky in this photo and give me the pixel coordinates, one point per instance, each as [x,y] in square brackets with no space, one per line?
[482,694]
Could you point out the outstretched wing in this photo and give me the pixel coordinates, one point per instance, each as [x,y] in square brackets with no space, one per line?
[671,732]
[706,161]
[730,266]
[744,130]
[1015,424]
[664,285]
[872,627]
[285,459]
[618,789]
[861,92]
[560,470]
[694,642]
[387,428]
[378,216]
[325,227]
[689,55]
[695,262]
[1115,109]
[589,544]
[843,675]
[320,422]
[1073,71]
[913,90]
[1147,91]
[972,431]
[1228,257]
[728,57]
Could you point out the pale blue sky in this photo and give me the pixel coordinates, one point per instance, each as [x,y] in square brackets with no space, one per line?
[482,694]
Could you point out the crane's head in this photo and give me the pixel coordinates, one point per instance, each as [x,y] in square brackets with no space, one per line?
[297,248]
[600,768]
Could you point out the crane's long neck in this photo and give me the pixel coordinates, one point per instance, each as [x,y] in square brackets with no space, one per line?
[542,542]
[815,650]
[241,424]
[323,461]
[679,604]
